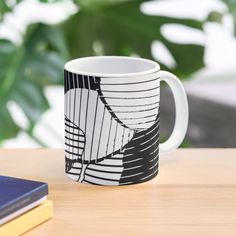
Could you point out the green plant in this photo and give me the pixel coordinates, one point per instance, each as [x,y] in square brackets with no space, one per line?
[232,10]
[25,71]
[99,27]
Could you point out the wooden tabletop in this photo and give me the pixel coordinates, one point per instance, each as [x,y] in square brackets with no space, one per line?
[194,194]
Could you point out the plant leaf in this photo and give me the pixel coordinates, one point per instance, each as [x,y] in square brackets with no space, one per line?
[7,6]
[122,29]
[25,70]
[98,4]
[8,128]
[232,9]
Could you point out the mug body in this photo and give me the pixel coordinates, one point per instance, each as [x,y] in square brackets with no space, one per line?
[111,120]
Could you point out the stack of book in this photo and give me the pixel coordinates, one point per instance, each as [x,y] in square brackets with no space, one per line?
[23,205]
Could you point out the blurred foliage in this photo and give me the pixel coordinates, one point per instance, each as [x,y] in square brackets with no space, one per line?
[6,6]
[24,72]
[232,10]
[122,29]
[101,27]
[216,16]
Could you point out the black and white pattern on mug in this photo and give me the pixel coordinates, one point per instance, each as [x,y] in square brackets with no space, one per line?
[111,129]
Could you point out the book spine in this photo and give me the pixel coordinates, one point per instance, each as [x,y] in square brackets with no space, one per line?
[27,221]
[25,200]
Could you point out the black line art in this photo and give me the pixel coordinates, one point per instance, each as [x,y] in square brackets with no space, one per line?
[111,135]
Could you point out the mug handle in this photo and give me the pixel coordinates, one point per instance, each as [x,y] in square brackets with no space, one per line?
[181,112]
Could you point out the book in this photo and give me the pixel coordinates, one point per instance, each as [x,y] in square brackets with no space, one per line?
[16,194]
[22,211]
[28,220]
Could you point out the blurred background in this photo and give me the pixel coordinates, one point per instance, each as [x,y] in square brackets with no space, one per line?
[195,39]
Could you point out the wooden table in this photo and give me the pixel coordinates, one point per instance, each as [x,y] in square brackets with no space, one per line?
[194,194]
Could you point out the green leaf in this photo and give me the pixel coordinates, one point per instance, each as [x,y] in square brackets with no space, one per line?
[98,4]
[7,6]
[4,8]
[215,16]
[232,10]
[101,27]
[189,58]
[122,29]
[49,1]
[8,128]
[31,100]
[25,70]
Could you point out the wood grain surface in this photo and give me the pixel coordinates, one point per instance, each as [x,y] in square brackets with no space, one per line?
[194,194]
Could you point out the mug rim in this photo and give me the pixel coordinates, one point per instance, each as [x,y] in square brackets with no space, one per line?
[70,66]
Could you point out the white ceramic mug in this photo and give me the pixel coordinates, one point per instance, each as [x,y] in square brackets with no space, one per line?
[112,119]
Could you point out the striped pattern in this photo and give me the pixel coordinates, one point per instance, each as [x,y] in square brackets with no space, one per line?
[74,141]
[85,109]
[107,172]
[141,156]
[73,81]
[105,124]
[135,101]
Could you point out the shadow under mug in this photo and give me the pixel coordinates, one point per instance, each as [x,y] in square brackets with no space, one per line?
[112,118]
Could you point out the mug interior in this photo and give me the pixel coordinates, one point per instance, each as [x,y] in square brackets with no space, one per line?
[112,66]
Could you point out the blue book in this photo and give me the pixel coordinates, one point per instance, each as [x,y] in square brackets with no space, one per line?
[16,194]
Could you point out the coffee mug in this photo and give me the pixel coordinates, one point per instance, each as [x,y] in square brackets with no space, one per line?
[112,118]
